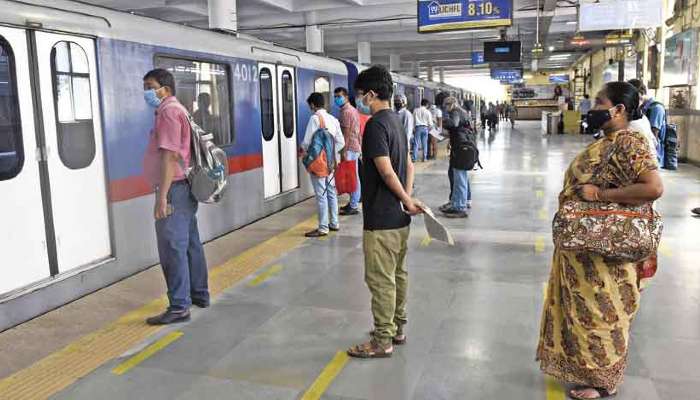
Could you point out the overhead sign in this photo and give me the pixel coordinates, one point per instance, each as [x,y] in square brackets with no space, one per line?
[620,14]
[563,78]
[507,75]
[452,15]
[477,57]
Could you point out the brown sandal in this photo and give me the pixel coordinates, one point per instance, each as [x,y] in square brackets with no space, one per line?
[371,349]
[399,339]
[602,393]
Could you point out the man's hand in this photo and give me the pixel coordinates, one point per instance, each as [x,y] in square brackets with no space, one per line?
[412,208]
[160,210]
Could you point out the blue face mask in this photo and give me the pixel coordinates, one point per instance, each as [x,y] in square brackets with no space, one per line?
[151,98]
[362,107]
[339,101]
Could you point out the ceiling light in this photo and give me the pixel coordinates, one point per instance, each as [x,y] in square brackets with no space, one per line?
[572,22]
[551,48]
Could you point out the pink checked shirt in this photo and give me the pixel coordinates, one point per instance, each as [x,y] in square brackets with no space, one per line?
[171,132]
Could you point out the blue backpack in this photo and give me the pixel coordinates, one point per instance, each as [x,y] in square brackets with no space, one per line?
[320,156]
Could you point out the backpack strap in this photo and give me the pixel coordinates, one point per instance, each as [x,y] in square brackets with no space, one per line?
[321,122]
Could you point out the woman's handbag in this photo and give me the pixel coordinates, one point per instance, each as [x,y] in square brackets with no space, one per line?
[611,230]
[615,231]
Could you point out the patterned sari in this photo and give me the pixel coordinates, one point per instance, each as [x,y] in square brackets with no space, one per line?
[591,301]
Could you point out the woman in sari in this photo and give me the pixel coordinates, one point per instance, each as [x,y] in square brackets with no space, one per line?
[591,301]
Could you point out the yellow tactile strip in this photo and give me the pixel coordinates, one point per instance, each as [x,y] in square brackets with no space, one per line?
[59,370]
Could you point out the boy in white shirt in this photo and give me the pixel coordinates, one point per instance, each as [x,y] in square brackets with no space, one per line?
[424,122]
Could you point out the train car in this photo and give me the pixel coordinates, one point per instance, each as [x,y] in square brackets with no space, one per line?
[76,211]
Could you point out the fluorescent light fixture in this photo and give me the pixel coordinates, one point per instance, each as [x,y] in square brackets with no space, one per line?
[551,48]
[572,22]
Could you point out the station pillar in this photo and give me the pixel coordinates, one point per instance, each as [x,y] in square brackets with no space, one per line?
[364,53]
[314,39]
[394,62]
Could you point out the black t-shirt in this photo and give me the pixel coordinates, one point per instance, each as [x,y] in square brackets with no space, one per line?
[384,136]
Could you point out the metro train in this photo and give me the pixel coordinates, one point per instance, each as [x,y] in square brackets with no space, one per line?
[75,211]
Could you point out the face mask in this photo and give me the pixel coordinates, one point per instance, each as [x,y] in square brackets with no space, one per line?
[339,101]
[597,118]
[362,107]
[151,98]
[398,106]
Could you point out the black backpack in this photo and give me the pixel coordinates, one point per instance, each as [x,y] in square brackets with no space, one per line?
[465,155]
[670,143]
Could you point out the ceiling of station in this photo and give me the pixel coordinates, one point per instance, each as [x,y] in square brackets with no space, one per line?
[389,25]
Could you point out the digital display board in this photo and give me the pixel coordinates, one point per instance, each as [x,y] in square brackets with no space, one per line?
[452,15]
[559,78]
[477,57]
[507,75]
[502,51]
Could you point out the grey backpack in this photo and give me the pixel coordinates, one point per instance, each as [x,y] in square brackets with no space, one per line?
[208,171]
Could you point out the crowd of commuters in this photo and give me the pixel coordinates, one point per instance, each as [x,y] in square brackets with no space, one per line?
[591,299]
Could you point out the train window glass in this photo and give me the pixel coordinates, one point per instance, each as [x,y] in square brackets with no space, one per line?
[267,109]
[11,146]
[287,104]
[73,101]
[203,88]
[323,85]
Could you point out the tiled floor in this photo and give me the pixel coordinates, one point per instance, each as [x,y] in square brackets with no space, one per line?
[473,308]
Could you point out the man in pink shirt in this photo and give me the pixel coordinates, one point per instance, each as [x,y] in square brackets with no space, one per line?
[165,162]
[350,125]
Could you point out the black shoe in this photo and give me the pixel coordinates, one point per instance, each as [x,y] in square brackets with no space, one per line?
[348,211]
[334,229]
[315,234]
[201,303]
[169,317]
[445,206]
[696,211]
[454,213]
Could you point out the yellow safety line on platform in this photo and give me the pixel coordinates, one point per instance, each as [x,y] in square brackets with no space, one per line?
[539,194]
[543,214]
[426,241]
[554,390]
[327,376]
[272,271]
[539,244]
[159,345]
[665,249]
[60,369]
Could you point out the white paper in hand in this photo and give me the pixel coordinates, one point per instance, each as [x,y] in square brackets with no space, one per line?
[437,134]
[436,230]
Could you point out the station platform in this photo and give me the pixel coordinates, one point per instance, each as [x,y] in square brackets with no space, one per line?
[285,308]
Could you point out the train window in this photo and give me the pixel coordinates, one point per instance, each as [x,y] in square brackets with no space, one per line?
[73,100]
[287,104]
[11,146]
[267,106]
[323,85]
[410,98]
[203,88]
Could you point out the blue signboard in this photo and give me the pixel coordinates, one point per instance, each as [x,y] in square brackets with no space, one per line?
[477,57]
[507,75]
[450,15]
[559,79]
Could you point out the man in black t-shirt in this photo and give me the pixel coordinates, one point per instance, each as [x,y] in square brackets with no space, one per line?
[387,208]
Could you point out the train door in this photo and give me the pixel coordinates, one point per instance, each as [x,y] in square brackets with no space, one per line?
[279,139]
[67,72]
[270,141]
[22,236]
[421,93]
[288,128]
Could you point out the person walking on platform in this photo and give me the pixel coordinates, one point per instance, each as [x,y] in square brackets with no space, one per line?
[642,125]
[424,122]
[324,186]
[350,125]
[387,209]
[591,300]
[406,118]
[167,158]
